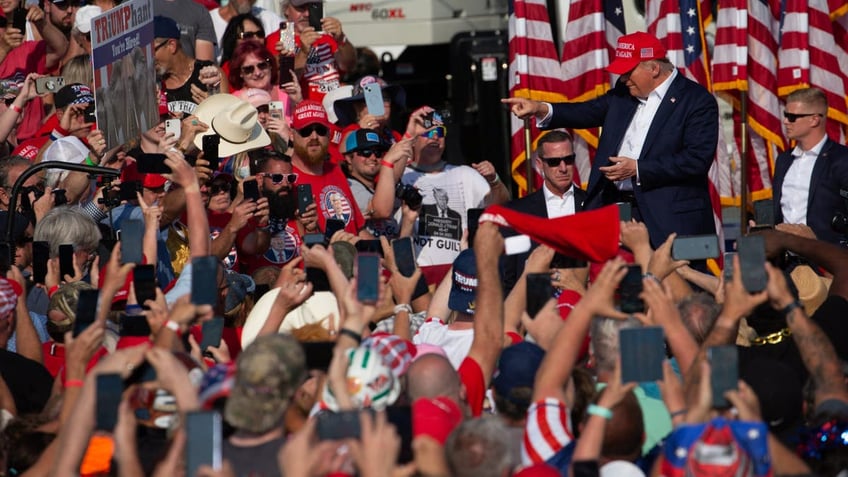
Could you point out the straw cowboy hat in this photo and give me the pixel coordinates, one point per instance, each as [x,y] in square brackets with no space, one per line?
[812,288]
[235,121]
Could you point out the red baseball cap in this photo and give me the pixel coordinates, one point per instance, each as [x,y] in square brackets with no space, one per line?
[633,49]
[309,112]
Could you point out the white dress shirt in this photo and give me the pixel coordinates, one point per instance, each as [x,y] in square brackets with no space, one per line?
[559,206]
[795,192]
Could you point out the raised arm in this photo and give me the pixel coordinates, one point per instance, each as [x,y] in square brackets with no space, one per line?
[488,314]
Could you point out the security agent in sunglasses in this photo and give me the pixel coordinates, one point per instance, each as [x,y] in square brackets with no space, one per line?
[807,179]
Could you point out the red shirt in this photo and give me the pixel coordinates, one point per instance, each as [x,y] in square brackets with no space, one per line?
[332,194]
[471,375]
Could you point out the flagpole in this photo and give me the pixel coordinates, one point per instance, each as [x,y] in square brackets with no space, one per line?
[743,181]
[528,163]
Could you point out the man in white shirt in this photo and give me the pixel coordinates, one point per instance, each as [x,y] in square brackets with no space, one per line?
[808,179]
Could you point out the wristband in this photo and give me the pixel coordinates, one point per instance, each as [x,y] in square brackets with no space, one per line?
[175,327]
[600,411]
[14,107]
[88,161]
[403,307]
[73,383]
[390,165]
[497,179]
[790,308]
[351,334]
[406,135]
[679,413]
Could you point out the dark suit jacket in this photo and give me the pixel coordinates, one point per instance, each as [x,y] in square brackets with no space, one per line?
[830,174]
[673,193]
[532,204]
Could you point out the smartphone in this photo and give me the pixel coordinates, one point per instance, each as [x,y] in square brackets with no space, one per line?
[49,84]
[752,261]
[374,99]
[629,290]
[304,196]
[66,261]
[173,126]
[132,237]
[331,227]
[144,283]
[404,255]
[110,387]
[105,247]
[724,372]
[318,354]
[642,354]
[275,108]
[539,291]
[203,440]
[728,267]
[90,113]
[204,280]
[367,277]
[764,212]
[562,261]
[473,221]
[369,246]
[313,239]
[516,244]
[153,164]
[287,36]
[251,190]
[286,63]
[135,325]
[332,426]
[625,211]
[428,119]
[40,256]
[143,373]
[695,247]
[212,331]
[210,150]
[317,277]
[316,13]
[19,20]
[86,311]
[129,190]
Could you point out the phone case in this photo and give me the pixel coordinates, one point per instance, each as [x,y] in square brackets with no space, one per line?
[316,13]
[304,197]
[539,291]
[66,260]
[204,280]
[374,99]
[203,445]
[629,290]
[109,390]
[752,260]
[367,277]
[338,425]
[86,310]
[144,283]
[724,372]
[275,109]
[404,253]
[212,331]
[173,126]
[642,354]
[251,190]
[287,36]
[40,255]
[695,247]
[132,236]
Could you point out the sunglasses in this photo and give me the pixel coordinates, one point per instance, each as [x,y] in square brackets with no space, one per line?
[280,178]
[262,108]
[371,152]
[792,117]
[247,35]
[160,45]
[317,128]
[435,133]
[248,70]
[216,189]
[554,161]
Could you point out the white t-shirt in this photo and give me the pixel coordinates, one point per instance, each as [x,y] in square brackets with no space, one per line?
[456,343]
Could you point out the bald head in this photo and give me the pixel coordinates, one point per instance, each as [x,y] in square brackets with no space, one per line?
[432,375]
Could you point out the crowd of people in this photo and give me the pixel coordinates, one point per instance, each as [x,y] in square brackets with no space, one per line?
[273,281]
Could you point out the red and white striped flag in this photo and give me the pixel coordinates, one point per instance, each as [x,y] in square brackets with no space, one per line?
[590,38]
[806,58]
[745,59]
[534,72]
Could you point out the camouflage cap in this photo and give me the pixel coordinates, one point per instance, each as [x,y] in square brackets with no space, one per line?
[267,374]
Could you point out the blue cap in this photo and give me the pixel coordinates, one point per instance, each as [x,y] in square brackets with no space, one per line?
[464,286]
[164,27]
[363,139]
[517,368]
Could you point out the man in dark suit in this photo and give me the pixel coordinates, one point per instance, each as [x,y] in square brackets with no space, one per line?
[659,138]
[559,196]
[807,179]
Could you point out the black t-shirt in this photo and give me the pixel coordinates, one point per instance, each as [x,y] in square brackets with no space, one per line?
[180,99]
[254,461]
[29,382]
[831,317]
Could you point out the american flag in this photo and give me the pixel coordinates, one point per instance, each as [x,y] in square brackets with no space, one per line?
[590,39]
[534,72]
[679,26]
[745,59]
[806,58]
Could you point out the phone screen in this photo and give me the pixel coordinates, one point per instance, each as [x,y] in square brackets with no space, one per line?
[473,221]
[110,387]
[625,211]
[728,266]
[695,247]
[153,164]
[331,227]
[251,190]
[212,331]
[752,261]
[203,442]
[66,260]
[204,280]
[331,426]
[135,325]
[86,310]
[724,372]
[539,291]
[629,290]
[404,255]
[367,277]
[129,190]
[304,195]
[210,150]
[40,255]
[144,283]
[132,237]
[764,212]
[370,246]
[642,354]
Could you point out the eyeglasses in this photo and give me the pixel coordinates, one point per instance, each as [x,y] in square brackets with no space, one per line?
[160,45]
[554,161]
[216,189]
[317,128]
[280,178]
[371,152]
[247,35]
[792,117]
[440,131]
[248,70]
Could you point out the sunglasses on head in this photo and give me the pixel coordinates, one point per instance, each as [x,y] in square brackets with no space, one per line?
[435,133]
[216,189]
[280,178]
[318,128]
[248,35]
[554,161]
[249,69]
[369,152]
[792,117]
